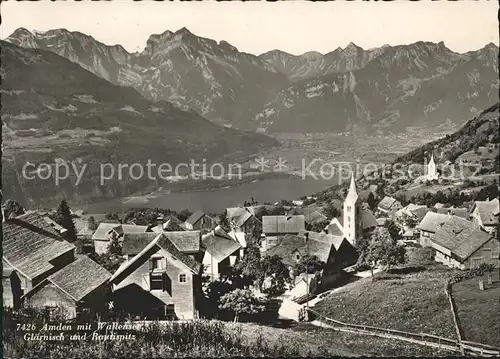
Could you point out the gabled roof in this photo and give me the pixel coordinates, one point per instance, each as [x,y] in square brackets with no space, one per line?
[460,212]
[335,228]
[319,245]
[133,243]
[335,240]
[283,224]
[78,278]
[431,221]
[237,215]
[160,242]
[314,217]
[460,236]
[367,218]
[101,233]
[219,244]
[195,217]
[185,241]
[104,228]
[488,211]
[30,244]
[386,203]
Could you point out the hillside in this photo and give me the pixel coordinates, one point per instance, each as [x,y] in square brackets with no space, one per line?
[480,131]
[392,88]
[54,109]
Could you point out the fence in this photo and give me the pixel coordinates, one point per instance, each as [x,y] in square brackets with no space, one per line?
[417,338]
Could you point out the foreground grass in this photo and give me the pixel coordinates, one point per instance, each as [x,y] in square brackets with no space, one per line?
[478,310]
[408,299]
[209,339]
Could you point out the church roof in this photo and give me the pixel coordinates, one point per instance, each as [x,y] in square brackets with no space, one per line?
[352,195]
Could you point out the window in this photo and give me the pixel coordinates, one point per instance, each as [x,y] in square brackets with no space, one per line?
[297,256]
[156,281]
[349,218]
[182,278]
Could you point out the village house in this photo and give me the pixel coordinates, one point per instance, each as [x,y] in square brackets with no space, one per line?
[32,251]
[199,221]
[334,251]
[454,211]
[187,242]
[428,227]
[162,282]
[107,232]
[242,219]
[485,215]
[274,226]
[388,206]
[168,224]
[221,252]
[81,286]
[459,243]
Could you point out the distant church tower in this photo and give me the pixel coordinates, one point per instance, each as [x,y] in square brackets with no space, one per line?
[350,212]
[431,169]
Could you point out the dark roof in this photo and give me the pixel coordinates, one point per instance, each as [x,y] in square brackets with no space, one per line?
[30,244]
[386,203]
[334,229]
[460,236]
[336,240]
[185,241]
[195,217]
[133,243]
[315,217]
[288,244]
[283,224]
[460,212]
[219,245]
[79,278]
[165,243]
[367,218]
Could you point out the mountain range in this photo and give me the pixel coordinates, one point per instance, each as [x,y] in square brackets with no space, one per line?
[392,88]
[56,112]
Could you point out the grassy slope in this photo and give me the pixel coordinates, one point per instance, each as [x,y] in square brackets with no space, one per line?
[413,302]
[325,341]
[478,310]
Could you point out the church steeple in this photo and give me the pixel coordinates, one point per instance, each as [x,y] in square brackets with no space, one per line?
[352,195]
[350,213]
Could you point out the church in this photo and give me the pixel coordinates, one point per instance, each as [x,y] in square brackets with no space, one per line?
[357,219]
[431,173]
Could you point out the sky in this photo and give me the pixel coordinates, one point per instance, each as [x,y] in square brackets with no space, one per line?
[257,27]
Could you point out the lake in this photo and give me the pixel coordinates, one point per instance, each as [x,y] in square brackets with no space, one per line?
[217,200]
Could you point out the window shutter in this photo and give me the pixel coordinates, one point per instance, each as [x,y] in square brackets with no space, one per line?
[150,265]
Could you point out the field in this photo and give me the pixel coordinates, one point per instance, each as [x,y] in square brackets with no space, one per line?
[478,310]
[409,299]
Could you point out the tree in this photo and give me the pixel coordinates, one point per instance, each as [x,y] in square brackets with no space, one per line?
[92,224]
[384,250]
[240,301]
[372,201]
[274,276]
[12,209]
[317,226]
[393,229]
[250,265]
[63,217]
[184,214]
[223,222]
[308,264]
[331,211]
